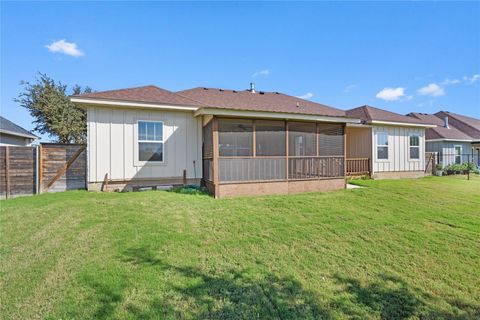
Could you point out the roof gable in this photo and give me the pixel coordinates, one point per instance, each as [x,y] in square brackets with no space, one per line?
[369,114]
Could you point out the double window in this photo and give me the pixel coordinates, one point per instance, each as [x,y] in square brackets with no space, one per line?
[414,147]
[150,141]
[382,145]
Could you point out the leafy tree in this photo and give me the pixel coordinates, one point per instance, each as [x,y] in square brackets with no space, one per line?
[48,102]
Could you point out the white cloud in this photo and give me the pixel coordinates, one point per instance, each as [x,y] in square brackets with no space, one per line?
[306,96]
[473,79]
[432,89]
[450,81]
[264,73]
[391,94]
[62,46]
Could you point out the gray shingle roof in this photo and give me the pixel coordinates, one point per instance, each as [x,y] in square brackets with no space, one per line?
[8,126]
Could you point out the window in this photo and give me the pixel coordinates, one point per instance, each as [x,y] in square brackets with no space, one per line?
[458,154]
[382,145]
[414,147]
[270,139]
[150,141]
[302,139]
[235,137]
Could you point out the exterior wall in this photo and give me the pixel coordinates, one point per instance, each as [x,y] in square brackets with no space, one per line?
[359,142]
[12,140]
[446,150]
[112,145]
[399,175]
[398,150]
[278,187]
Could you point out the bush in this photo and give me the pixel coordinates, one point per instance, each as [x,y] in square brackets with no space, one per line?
[456,168]
[190,189]
[439,167]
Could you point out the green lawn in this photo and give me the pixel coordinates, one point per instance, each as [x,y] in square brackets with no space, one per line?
[393,250]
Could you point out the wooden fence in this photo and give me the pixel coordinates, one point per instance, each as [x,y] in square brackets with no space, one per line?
[49,167]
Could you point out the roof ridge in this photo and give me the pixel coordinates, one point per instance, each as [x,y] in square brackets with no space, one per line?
[125,89]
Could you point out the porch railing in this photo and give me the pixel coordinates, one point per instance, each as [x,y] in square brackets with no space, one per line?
[358,166]
[315,167]
[275,169]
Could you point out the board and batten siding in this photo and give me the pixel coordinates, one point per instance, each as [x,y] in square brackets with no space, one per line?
[398,149]
[446,150]
[112,139]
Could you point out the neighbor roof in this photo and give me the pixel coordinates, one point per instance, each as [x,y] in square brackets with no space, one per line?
[440,132]
[7,126]
[468,125]
[148,94]
[246,100]
[369,114]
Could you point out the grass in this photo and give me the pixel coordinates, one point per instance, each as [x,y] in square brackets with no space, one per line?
[392,250]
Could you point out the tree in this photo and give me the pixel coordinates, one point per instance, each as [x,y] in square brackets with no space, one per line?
[54,113]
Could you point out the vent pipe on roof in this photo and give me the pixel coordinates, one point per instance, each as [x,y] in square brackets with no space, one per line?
[252,87]
[446,122]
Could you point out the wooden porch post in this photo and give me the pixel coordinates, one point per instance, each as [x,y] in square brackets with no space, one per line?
[215,156]
[7,172]
[286,148]
[254,139]
[345,151]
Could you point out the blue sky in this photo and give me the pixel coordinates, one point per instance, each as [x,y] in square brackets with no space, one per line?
[409,56]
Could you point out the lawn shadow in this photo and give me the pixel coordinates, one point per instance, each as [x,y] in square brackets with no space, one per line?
[228,294]
[390,297]
[195,293]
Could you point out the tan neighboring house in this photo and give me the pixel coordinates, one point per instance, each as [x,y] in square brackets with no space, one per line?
[12,134]
[393,143]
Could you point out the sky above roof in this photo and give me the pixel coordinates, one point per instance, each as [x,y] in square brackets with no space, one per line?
[408,56]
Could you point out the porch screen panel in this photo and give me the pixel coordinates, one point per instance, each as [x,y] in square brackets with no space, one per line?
[270,138]
[251,169]
[330,140]
[301,139]
[235,137]
[208,141]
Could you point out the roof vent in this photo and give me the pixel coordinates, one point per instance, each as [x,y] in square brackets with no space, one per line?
[261,92]
[276,92]
[446,122]
[205,88]
[252,87]
[298,104]
[234,91]
[221,90]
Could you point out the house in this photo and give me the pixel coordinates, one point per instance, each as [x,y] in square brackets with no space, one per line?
[234,142]
[12,134]
[456,138]
[395,143]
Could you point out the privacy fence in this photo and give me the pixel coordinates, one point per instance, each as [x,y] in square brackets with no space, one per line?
[48,167]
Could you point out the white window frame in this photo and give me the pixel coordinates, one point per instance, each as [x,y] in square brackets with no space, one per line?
[455,153]
[138,141]
[410,146]
[382,145]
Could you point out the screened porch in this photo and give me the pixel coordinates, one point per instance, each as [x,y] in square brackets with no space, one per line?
[256,150]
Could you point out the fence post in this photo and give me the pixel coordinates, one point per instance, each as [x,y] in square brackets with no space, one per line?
[40,168]
[7,173]
[468,166]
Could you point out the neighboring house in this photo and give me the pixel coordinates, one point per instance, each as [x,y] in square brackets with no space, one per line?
[394,143]
[456,138]
[12,134]
[234,142]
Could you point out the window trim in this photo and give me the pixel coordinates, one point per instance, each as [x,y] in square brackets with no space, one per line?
[410,146]
[137,141]
[455,153]
[387,159]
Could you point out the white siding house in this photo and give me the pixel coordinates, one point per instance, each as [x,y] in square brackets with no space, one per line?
[113,145]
